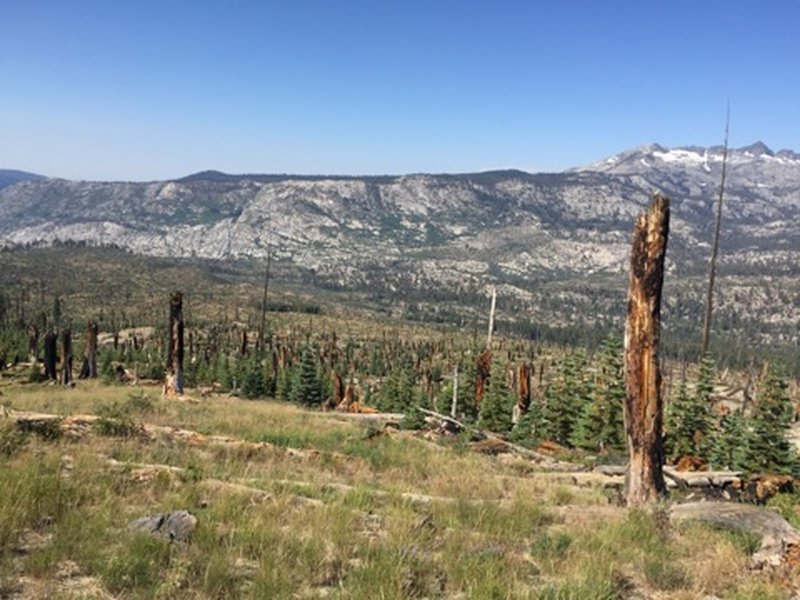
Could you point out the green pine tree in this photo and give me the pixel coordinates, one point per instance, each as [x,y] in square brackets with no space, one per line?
[768,448]
[283,383]
[306,388]
[467,379]
[253,385]
[729,448]
[600,426]
[690,421]
[497,405]
[529,431]
[398,392]
[566,398]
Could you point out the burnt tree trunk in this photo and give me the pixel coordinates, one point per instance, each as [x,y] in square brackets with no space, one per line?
[644,407]
[338,389]
[243,349]
[33,343]
[174,375]
[523,392]
[483,367]
[89,368]
[50,354]
[66,357]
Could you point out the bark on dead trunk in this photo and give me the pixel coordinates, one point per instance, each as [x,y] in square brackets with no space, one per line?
[644,406]
[243,349]
[66,357]
[174,376]
[523,392]
[89,369]
[50,354]
[483,367]
[33,343]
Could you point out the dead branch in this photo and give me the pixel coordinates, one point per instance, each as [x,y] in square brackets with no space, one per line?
[533,455]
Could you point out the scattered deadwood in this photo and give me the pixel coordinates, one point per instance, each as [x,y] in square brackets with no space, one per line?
[446,423]
[644,405]
[387,419]
[711,485]
[760,488]
[78,426]
[442,423]
[779,539]
[490,446]
[145,472]
[690,463]
[357,408]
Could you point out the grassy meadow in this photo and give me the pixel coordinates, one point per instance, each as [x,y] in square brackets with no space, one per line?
[295,503]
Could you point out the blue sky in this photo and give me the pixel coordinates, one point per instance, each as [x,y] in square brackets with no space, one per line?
[147,89]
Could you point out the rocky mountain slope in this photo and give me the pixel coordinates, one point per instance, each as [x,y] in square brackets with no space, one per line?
[10,177]
[548,240]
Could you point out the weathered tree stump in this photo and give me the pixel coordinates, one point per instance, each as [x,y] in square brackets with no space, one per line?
[173,383]
[644,406]
[50,355]
[483,367]
[89,368]
[523,392]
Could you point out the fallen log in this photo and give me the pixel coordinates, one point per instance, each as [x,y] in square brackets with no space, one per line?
[483,434]
[779,539]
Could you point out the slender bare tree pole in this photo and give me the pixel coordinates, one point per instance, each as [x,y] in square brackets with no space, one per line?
[454,404]
[712,267]
[491,319]
[90,354]
[263,326]
[644,406]
[66,357]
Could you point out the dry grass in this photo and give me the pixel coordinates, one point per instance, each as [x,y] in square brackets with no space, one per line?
[332,522]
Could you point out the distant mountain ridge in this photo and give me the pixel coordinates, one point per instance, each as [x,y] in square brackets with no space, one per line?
[451,233]
[9,177]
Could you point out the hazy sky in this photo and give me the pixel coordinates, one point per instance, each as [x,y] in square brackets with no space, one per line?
[145,89]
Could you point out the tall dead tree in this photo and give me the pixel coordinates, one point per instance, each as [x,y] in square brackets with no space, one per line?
[483,367]
[50,355]
[66,357]
[523,392]
[454,403]
[33,343]
[89,368]
[173,383]
[491,319]
[262,329]
[644,406]
[712,266]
